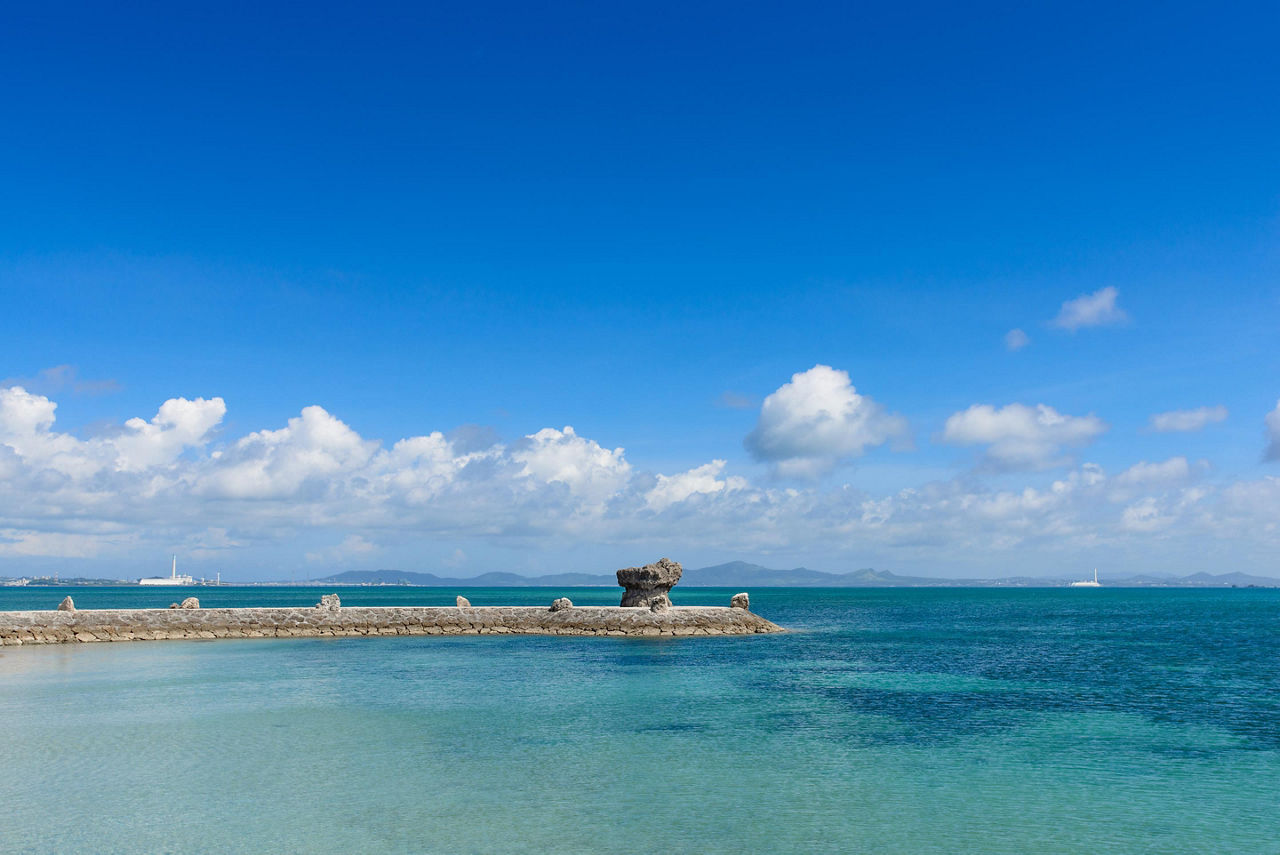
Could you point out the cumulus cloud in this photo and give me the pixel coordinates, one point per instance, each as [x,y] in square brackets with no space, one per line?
[315,481]
[1021,437]
[1175,470]
[582,465]
[1273,434]
[180,424]
[26,422]
[1154,479]
[1016,339]
[1091,310]
[817,420]
[274,464]
[703,480]
[1187,420]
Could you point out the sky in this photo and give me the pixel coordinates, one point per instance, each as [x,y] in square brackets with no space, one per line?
[944,289]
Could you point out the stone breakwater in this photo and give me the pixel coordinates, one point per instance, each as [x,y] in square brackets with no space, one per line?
[61,627]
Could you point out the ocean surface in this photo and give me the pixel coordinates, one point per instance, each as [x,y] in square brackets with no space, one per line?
[890,720]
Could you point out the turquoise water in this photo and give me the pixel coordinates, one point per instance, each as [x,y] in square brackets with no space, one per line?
[893,721]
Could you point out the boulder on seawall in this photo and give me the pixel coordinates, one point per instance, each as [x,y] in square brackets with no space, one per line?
[190,603]
[740,601]
[648,586]
[66,605]
[561,603]
[464,603]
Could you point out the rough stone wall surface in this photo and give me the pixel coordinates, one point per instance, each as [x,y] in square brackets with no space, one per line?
[55,627]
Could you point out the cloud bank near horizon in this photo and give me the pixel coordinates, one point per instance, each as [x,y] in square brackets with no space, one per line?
[172,481]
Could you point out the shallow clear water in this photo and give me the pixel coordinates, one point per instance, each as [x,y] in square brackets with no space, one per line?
[895,720]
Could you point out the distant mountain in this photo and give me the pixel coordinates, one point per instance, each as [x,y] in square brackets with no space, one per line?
[485,580]
[740,574]
[737,573]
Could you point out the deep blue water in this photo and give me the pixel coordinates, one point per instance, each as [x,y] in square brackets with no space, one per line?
[891,720]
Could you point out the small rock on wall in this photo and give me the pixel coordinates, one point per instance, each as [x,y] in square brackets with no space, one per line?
[66,605]
[329,602]
[560,604]
[464,603]
[190,603]
[740,601]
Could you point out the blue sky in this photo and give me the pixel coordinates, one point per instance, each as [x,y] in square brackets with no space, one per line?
[653,224]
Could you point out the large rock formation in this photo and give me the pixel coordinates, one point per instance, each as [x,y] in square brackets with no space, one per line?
[648,586]
[561,603]
[329,602]
[66,605]
[740,601]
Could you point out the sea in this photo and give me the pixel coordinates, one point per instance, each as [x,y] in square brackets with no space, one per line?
[896,720]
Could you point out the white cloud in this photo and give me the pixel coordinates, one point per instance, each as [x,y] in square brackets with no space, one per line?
[353,546]
[180,424]
[308,483]
[1016,339]
[582,465]
[29,543]
[1021,437]
[1187,420]
[1154,479]
[1273,434]
[1091,310]
[818,419]
[26,422]
[275,464]
[702,480]
[1144,516]
[1175,470]
[209,543]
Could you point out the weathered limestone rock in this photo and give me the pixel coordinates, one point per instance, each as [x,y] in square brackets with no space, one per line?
[329,602]
[464,603]
[190,603]
[649,584]
[659,604]
[173,605]
[66,605]
[740,601]
[561,604]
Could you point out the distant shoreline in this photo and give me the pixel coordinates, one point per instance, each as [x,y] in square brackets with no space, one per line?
[1205,581]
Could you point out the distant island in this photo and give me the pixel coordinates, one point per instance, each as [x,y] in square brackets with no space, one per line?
[734,574]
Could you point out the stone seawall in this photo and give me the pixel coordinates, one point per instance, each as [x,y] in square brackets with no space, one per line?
[59,627]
